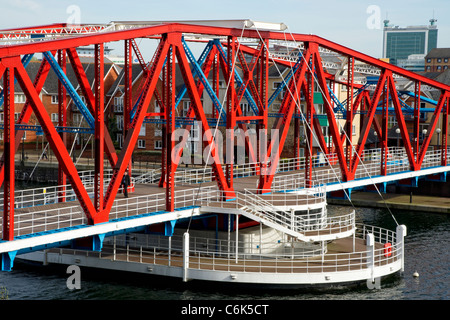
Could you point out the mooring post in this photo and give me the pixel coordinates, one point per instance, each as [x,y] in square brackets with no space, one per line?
[400,237]
[185,255]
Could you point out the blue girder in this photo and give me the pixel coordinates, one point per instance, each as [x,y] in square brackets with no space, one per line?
[70,89]
[25,60]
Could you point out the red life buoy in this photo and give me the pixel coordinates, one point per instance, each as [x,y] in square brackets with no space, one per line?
[387,250]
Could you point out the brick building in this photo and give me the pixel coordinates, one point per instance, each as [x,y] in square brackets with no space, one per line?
[437,60]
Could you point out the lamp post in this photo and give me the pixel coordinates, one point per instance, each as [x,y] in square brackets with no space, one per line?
[397,131]
[438,131]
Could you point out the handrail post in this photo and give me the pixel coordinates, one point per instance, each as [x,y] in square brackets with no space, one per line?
[399,237]
[370,243]
[185,255]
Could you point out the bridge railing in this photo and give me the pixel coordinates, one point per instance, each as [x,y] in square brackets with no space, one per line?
[28,221]
[258,257]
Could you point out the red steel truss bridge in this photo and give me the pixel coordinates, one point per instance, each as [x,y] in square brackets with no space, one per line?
[242,52]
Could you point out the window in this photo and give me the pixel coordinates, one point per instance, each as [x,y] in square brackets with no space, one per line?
[141,144]
[439,60]
[186,105]
[119,139]
[194,132]
[142,131]
[118,104]
[445,60]
[119,122]
[245,109]
[439,67]
[55,99]
[319,108]
[19,98]
[428,60]
[276,84]
[77,119]
[158,144]
[353,130]
[54,117]
[193,146]
[157,109]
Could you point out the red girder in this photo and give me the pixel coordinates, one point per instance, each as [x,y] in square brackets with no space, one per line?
[26,112]
[132,135]
[90,99]
[9,148]
[255,80]
[55,141]
[62,122]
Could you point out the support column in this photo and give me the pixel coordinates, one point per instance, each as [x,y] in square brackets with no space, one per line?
[185,256]
[309,128]
[384,132]
[9,151]
[128,98]
[416,120]
[62,122]
[170,127]
[231,111]
[444,126]
[349,122]
[99,127]
[400,244]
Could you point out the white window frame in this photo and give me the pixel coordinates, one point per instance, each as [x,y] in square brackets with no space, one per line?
[158,144]
[141,143]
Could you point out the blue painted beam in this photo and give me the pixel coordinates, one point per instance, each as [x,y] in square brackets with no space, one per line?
[70,89]
[25,61]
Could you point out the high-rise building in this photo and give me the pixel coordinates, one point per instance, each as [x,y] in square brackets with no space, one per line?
[399,43]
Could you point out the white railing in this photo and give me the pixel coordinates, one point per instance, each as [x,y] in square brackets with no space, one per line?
[54,194]
[285,211]
[26,222]
[221,255]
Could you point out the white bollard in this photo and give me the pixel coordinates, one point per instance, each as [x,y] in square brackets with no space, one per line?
[400,243]
[185,255]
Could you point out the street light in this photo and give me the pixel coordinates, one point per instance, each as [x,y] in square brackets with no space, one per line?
[438,131]
[397,131]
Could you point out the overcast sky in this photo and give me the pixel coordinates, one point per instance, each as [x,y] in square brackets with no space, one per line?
[356,24]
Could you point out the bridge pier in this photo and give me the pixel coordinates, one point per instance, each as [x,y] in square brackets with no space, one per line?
[7,260]
[440,177]
[92,243]
[409,182]
[382,187]
[340,194]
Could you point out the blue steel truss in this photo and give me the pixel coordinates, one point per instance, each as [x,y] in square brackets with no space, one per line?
[70,89]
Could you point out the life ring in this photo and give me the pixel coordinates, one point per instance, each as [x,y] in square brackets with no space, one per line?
[387,250]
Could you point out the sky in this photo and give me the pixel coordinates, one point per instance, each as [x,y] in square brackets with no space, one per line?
[356,24]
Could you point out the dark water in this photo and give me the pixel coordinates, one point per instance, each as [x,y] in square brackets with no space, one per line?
[426,252]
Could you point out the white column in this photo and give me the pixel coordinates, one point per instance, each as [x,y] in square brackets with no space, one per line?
[185,255]
[370,243]
[400,243]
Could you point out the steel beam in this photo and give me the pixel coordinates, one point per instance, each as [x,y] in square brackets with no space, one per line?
[9,148]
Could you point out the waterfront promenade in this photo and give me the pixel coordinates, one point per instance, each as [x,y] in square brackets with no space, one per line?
[397,201]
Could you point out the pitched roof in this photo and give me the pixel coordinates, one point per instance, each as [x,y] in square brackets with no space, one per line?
[438,53]
[51,83]
[136,71]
